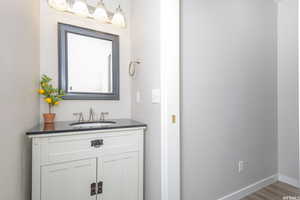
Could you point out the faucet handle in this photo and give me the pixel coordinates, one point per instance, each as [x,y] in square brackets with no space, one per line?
[102,116]
[80,114]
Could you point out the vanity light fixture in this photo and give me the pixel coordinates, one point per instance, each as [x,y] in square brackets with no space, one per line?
[118,18]
[61,5]
[80,8]
[99,13]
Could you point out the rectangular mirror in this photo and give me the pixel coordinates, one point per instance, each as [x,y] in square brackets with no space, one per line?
[88,63]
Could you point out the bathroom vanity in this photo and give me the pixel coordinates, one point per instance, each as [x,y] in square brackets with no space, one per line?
[81,163]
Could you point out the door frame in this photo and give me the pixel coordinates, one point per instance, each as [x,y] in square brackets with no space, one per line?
[298,96]
[170,99]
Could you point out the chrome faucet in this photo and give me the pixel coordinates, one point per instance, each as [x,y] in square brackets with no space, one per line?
[92,115]
[102,116]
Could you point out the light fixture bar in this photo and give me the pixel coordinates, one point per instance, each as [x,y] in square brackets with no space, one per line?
[98,13]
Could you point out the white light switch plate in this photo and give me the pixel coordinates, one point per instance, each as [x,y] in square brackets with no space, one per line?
[138,96]
[156,96]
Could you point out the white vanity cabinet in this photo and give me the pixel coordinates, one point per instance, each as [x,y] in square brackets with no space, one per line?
[90,165]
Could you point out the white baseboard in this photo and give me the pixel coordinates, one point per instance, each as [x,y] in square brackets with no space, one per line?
[289,180]
[251,188]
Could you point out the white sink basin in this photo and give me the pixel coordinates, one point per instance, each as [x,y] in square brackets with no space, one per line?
[92,124]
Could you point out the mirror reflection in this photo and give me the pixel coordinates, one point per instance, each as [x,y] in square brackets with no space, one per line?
[96,60]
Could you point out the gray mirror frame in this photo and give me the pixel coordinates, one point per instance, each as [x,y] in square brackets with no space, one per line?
[63,29]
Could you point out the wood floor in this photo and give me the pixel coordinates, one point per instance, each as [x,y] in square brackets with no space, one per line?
[276,191]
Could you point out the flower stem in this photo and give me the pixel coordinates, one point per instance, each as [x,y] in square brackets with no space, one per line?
[49,108]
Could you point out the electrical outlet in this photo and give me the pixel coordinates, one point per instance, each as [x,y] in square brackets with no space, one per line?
[241,166]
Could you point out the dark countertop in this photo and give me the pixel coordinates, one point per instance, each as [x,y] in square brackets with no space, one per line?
[63,127]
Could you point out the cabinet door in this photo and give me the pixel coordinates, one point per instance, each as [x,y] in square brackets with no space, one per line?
[69,181]
[120,177]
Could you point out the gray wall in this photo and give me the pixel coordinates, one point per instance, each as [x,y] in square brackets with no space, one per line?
[288,135]
[49,60]
[19,103]
[145,37]
[228,95]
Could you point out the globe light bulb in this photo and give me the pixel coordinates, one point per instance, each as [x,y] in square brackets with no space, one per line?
[60,5]
[118,18]
[100,13]
[80,8]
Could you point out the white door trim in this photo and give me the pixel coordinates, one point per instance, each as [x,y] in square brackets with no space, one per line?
[298,96]
[170,101]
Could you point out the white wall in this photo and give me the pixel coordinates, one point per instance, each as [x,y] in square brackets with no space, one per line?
[288,135]
[228,95]
[145,37]
[19,74]
[49,60]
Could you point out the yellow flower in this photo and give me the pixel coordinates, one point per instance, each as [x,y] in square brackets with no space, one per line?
[48,100]
[56,103]
[41,91]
